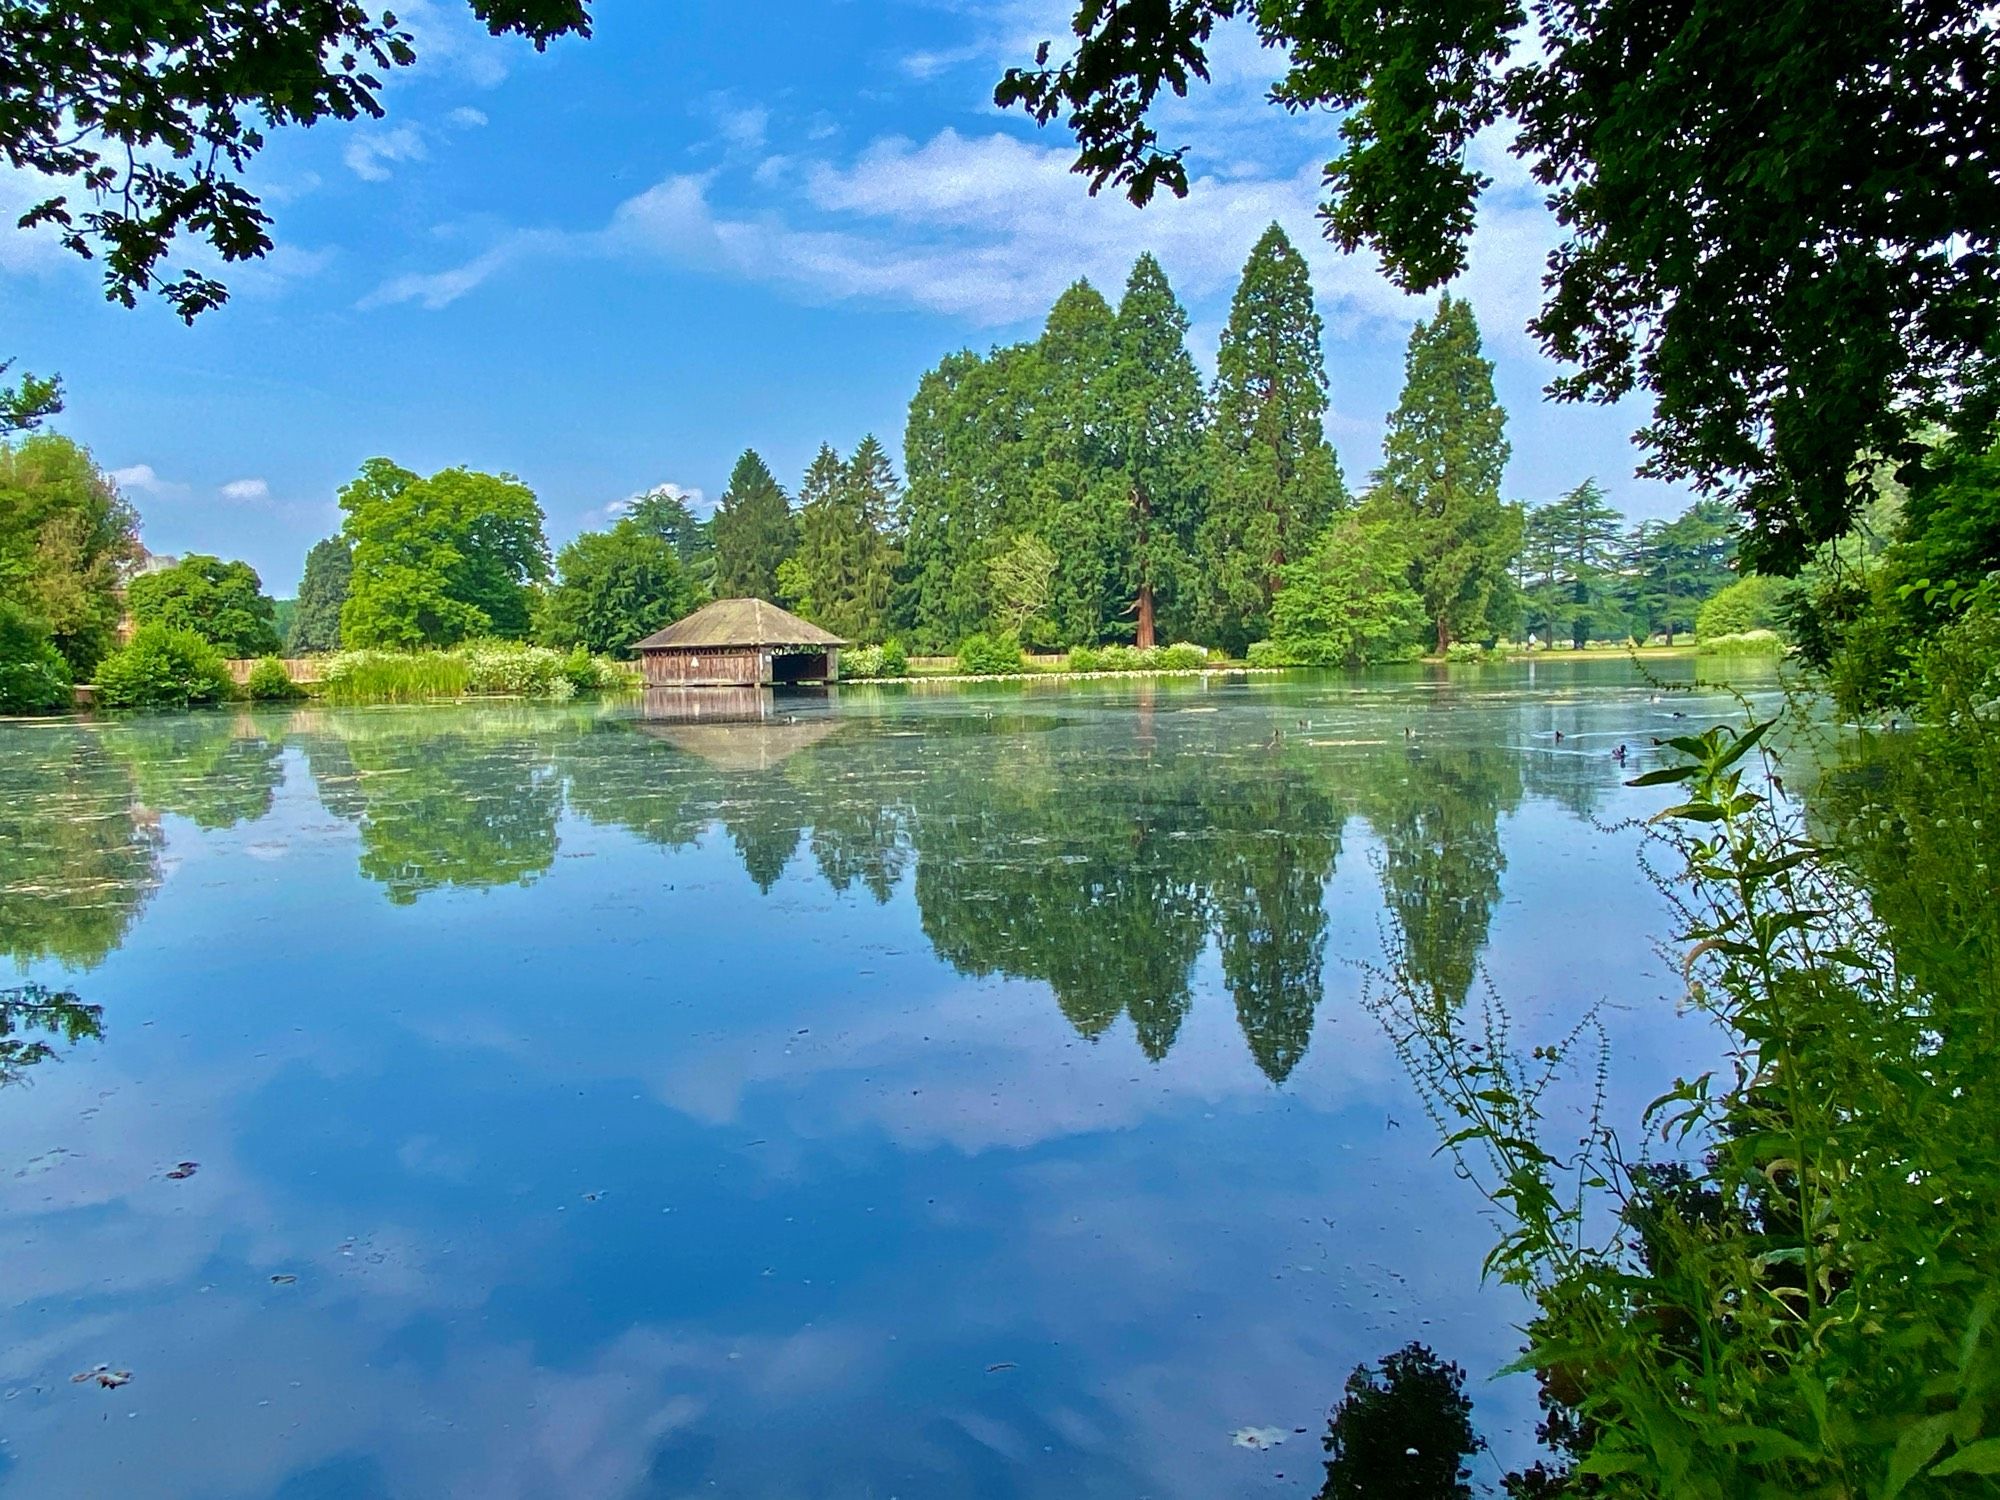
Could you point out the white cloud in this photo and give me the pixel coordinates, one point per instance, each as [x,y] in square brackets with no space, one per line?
[146,480]
[743,128]
[369,156]
[245,491]
[465,117]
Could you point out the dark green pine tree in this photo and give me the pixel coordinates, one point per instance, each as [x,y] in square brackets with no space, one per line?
[1274,481]
[1152,438]
[845,570]
[755,532]
[1441,467]
[316,619]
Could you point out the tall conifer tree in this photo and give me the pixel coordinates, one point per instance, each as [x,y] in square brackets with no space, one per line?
[1274,480]
[1153,441]
[845,567]
[316,621]
[1441,467]
[754,531]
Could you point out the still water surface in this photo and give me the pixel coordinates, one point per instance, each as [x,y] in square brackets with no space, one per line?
[942,1094]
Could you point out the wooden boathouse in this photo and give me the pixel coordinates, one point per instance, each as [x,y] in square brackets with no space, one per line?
[739,643]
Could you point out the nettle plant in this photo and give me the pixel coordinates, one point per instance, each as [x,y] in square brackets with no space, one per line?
[1793,1291]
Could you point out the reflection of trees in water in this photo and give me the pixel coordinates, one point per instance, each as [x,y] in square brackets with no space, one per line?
[78,859]
[1100,862]
[214,769]
[1438,817]
[475,805]
[1102,869]
[34,1020]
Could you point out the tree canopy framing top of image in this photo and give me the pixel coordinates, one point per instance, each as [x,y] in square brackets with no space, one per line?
[1779,220]
[153,113]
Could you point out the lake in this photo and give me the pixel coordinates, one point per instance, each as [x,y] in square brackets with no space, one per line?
[973,1092]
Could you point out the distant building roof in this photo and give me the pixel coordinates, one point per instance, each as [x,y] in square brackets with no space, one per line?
[738,622]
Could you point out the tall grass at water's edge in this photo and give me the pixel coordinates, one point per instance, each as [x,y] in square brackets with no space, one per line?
[394,677]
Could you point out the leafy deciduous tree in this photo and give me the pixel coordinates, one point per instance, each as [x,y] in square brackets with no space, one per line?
[613,588]
[222,602]
[438,560]
[65,535]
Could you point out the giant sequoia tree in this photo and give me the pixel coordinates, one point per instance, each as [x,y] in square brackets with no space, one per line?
[1152,440]
[1441,468]
[1274,480]
[1781,219]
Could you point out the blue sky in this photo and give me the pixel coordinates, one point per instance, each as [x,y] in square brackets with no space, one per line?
[617,264]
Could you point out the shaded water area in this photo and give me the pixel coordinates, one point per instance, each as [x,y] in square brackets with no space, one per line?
[967,1093]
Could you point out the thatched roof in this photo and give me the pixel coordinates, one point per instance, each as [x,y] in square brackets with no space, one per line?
[738,622]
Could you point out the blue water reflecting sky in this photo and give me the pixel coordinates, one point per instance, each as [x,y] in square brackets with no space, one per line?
[943,1094]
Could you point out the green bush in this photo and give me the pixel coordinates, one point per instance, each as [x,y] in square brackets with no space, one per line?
[510,669]
[1466,651]
[271,683]
[1085,659]
[1745,643]
[34,677]
[1183,656]
[895,660]
[985,655]
[1753,602]
[163,668]
[1271,654]
[393,677]
[861,661]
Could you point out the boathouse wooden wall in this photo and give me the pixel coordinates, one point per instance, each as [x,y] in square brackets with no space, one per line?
[714,666]
[735,666]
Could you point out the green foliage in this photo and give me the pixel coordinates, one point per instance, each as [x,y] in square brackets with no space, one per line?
[1575,555]
[1744,643]
[393,677]
[88,101]
[35,1020]
[1274,481]
[666,514]
[29,401]
[34,678]
[754,532]
[990,655]
[1767,212]
[439,560]
[269,682]
[1675,565]
[613,588]
[843,576]
[1441,467]
[510,669]
[1150,437]
[895,660]
[1800,1300]
[222,602]
[1402,1432]
[861,662]
[322,593]
[65,535]
[163,667]
[1349,601]
[1753,602]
